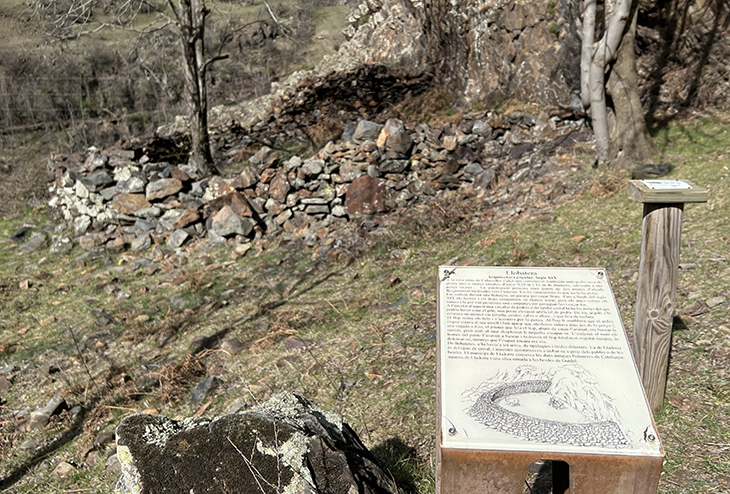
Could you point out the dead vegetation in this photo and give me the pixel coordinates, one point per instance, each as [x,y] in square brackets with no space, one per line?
[176,378]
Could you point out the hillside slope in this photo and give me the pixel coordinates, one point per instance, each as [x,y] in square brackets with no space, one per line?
[115,334]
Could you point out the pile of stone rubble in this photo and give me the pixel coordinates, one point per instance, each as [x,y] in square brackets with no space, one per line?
[117,199]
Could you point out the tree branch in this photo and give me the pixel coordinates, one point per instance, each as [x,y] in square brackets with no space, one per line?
[212,60]
[607,46]
[175,12]
[271,13]
[586,55]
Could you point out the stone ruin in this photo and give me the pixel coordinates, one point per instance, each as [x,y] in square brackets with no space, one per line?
[118,199]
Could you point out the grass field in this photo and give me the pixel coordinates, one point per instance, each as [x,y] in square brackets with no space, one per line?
[355,337]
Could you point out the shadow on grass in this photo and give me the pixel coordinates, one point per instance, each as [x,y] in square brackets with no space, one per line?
[77,427]
[678,324]
[212,341]
[400,462]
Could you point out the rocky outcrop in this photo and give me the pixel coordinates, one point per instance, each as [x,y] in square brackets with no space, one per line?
[285,445]
[388,32]
[483,52]
[488,51]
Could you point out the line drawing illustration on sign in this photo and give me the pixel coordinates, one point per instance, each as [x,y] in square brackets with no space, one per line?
[557,405]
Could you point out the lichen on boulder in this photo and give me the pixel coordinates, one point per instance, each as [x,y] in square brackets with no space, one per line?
[284,446]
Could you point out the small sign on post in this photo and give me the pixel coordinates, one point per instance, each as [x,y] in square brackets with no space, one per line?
[534,364]
[661,232]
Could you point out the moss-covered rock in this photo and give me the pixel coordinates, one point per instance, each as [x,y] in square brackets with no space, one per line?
[284,446]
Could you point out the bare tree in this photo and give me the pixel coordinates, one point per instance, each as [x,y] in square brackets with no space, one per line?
[190,17]
[609,64]
[71,19]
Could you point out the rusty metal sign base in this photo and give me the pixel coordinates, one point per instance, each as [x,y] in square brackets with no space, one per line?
[504,472]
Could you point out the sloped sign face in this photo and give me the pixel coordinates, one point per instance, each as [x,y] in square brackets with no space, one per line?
[666,184]
[537,359]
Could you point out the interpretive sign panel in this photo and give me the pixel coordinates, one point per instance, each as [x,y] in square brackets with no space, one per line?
[666,191]
[666,184]
[537,359]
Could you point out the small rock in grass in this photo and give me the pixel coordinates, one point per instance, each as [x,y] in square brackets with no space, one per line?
[36,241]
[29,445]
[9,369]
[232,346]
[39,418]
[62,470]
[203,388]
[5,383]
[293,343]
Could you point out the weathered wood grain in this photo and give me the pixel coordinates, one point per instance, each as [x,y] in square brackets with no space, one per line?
[638,191]
[657,287]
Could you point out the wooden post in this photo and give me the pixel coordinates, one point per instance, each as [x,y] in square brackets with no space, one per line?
[661,231]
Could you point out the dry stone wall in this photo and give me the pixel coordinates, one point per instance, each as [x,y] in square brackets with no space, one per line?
[117,199]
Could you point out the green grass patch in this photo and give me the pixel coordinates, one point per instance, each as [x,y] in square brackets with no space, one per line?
[358,337]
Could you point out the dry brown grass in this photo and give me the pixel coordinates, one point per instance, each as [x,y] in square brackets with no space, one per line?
[175,378]
[324,130]
[22,177]
[435,106]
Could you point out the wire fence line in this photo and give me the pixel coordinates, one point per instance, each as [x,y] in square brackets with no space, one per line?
[32,103]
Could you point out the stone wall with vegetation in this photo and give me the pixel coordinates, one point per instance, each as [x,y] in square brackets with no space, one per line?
[118,199]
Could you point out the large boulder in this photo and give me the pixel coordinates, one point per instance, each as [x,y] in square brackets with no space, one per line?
[367,130]
[286,445]
[394,137]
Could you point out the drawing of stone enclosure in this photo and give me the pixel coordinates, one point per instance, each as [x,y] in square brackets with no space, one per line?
[562,405]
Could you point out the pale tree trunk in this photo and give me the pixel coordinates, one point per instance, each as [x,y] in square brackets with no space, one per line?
[599,113]
[630,142]
[586,54]
[596,58]
[190,17]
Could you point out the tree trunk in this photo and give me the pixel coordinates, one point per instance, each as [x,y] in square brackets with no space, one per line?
[586,54]
[629,142]
[192,16]
[599,113]
[619,35]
